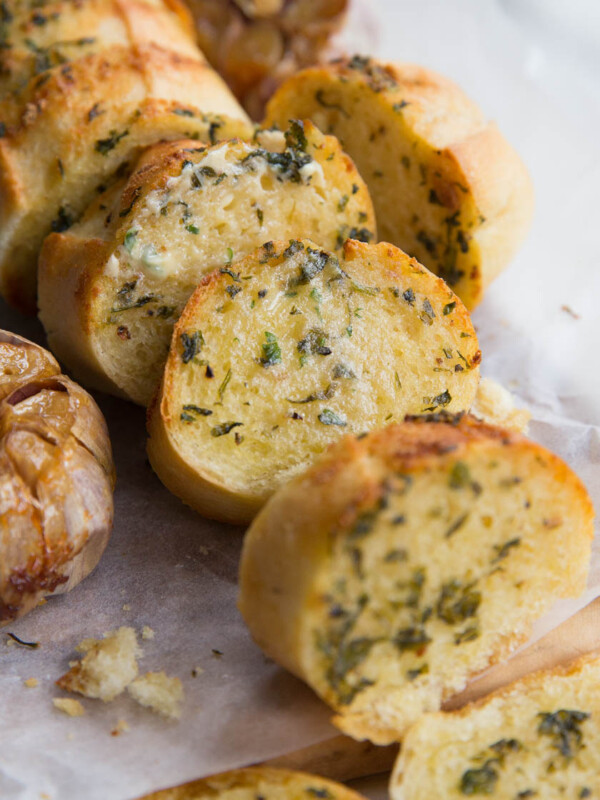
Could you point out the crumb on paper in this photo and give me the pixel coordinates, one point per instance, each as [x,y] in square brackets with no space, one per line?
[126,607]
[495,405]
[31,683]
[569,310]
[42,602]
[69,706]
[160,692]
[217,653]
[147,632]
[70,736]
[107,668]
[197,671]
[121,727]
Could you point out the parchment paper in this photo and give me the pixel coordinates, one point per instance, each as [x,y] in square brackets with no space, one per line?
[533,66]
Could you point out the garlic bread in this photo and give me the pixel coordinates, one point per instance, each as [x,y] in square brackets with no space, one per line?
[405,562]
[72,127]
[112,287]
[447,187]
[537,738]
[277,357]
[252,783]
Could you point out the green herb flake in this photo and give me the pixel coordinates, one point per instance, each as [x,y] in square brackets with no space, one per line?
[460,476]
[192,229]
[503,550]
[343,202]
[457,603]
[479,781]
[223,386]
[224,428]
[129,241]
[104,146]
[191,344]
[409,639]
[564,727]
[271,352]
[329,417]
[313,791]
[229,259]
[449,308]
[412,674]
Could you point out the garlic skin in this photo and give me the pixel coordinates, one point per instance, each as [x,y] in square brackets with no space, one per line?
[56,479]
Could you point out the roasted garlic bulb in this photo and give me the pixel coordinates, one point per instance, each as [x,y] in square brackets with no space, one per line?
[56,479]
[255,44]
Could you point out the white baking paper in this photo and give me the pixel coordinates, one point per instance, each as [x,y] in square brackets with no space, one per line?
[533,66]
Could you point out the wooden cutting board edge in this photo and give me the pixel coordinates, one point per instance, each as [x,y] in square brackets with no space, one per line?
[343,759]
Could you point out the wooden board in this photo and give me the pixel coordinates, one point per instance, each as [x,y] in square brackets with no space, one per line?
[344,759]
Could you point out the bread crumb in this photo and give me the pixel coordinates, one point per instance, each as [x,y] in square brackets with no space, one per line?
[147,632]
[70,736]
[108,667]
[158,691]
[31,683]
[495,405]
[126,607]
[197,671]
[203,550]
[120,727]
[69,706]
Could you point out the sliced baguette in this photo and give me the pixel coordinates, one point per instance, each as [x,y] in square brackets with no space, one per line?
[537,738]
[38,36]
[447,187]
[253,783]
[70,129]
[112,287]
[404,563]
[272,362]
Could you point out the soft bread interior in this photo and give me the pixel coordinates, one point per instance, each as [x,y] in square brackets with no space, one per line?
[539,738]
[292,349]
[443,575]
[206,208]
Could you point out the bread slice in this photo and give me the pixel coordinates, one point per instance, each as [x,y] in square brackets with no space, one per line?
[405,562]
[70,129]
[38,36]
[112,287]
[537,738]
[56,479]
[266,783]
[447,187]
[272,362]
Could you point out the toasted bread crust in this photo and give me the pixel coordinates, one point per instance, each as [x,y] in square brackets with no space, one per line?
[74,125]
[469,173]
[287,556]
[78,286]
[266,782]
[233,484]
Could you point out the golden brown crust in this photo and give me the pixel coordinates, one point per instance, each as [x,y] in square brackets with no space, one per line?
[291,540]
[57,477]
[234,492]
[468,169]
[265,782]
[82,270]
[65,136]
